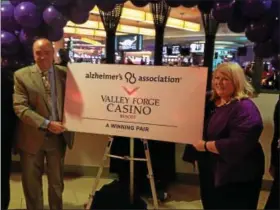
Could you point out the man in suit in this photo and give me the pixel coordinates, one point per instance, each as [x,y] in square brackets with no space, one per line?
[38,102]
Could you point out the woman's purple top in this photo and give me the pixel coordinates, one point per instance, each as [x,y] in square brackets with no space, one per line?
[236,128]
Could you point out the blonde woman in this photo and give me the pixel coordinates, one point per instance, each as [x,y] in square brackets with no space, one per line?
[230,157]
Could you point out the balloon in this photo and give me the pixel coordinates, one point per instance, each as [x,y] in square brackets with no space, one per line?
[9,43]
[12,63]
[59,2]
[255,8]
[275,35]
[86,5]
[189,3]
[27,15]
[120,1]
[237,24]
[41,4]
[223,11]
[77,16]
[6,62]
[140,3]
[7,11]
[16,2]
[28,50]
[18,63]
[273,14]
[264,50]
[275,62]
[173,3]
[54,18]
[27,36]
[258,31]
[106,5]
[8,22]
[205,6]
[55,34]
[275,38]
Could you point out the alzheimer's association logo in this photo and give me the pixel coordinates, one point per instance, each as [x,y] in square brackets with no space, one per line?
[130,77]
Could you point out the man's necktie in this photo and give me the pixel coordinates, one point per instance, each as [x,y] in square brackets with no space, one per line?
[47,85]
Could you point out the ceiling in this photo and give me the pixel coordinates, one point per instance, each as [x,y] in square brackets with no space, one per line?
[173,35]
[183,13]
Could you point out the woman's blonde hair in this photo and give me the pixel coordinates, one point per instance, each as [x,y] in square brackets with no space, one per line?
[242,88]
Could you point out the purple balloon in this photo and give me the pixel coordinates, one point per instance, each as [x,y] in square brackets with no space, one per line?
[18,63]
[27,15]
[173,3]
[264,50]
[59,2]
[275,62]
[223,11]
[27,36]
[55,34]
[77,16]
[28,49]
[6,62]
[120,1]
[9,43]
[237,24]
[13,62]
[54,18]
[7,11]
[275,9]
[205,6]
[7,17]
[275,35]
[255,8]
[190,3]
[106,5]
[16,2]
[258,31]
[139,3]
[86,5]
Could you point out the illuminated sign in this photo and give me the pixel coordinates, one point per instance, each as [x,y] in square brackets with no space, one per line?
[129,42]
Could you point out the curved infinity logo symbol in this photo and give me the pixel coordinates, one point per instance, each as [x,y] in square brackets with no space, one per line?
[130,77]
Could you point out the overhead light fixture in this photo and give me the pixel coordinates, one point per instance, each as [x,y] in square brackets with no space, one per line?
[132,15]
[88,32]
[147,17]
[175,23]
[91,41]
[121,28]
[100,33]
[69,30]
[147,32]
[128,29]
[89,24]
[191,26]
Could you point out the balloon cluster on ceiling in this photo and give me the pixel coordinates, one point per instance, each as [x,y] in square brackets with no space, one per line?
[259,19]
[24,21]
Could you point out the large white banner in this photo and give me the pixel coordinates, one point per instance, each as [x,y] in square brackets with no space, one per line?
[157,103]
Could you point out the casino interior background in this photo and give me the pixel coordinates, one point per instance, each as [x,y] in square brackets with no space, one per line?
[184,40]
[184,45]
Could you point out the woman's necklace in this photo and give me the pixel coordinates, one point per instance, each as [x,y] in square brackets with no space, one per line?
[224,104]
